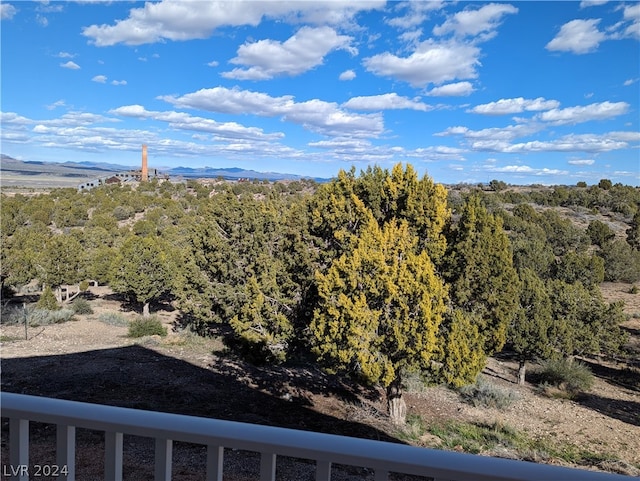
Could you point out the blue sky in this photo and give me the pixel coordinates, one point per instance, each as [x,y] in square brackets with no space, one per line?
[526,92]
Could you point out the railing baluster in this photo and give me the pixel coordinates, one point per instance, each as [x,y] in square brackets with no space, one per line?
[323,471]
[327,450]
[267,467]
[112,456]
[381,475]
[19,448]
[66,451]
[215,462]
[164,451]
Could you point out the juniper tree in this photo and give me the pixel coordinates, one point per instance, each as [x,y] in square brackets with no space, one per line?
[462,356]
[141,270]
[480,269]
[531,333]
[633,232]
[60,262]
[379,311]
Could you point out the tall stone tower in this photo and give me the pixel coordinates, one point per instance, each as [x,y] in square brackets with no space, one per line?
[144,177]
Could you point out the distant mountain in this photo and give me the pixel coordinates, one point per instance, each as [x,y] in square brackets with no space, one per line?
[230,173]
[98,165]
[99,169]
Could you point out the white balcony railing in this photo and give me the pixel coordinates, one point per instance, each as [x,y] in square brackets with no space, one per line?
[270,442]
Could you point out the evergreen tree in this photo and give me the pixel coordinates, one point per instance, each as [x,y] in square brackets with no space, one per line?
[462,356]
[481,273]
[530,334]
[60,262]
[599,233]
[633,232]
[141,271]
[583,322]
[380,308]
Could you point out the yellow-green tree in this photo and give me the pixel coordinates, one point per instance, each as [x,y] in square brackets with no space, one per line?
[379,310]
[462,356]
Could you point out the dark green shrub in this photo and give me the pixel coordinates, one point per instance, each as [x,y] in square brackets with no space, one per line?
[122,212]
[566,375]
[47,300]
[81,306]
[147,326]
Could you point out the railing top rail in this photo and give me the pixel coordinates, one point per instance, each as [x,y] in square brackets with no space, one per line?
[287,442]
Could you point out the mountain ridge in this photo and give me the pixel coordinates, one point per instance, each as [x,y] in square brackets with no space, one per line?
[67,168]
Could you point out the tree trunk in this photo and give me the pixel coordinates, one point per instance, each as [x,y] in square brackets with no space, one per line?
[522,369]
[395,403]
[145,310]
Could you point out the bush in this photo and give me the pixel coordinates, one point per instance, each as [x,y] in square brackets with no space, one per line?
[12,314]
[44,317]
[486,394]
[122,212]
[566,375]
[47,300]
[113,319]
[147,326]
[81,306]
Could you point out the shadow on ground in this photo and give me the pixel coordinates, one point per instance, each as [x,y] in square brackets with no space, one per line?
[141,378]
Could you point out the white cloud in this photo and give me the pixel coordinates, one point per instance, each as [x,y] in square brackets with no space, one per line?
[99,78]
[493,134]
[431,62]
[7,11]
[316,115]
[458,89]
[42,20]
[213,63]
[82,132]
[303,51]
[632,14]
[578,36]
[183,121]
[631,81]
[391,101]
[65,55]
[118,82]
[590,143]
[362,150]
[477,21]
[70,65]
[56,104]
[178,21]
[411,37]
[417,13]
[525,169]
[576,115]
[347,75]
[514,106]
[581,162]
[592,3]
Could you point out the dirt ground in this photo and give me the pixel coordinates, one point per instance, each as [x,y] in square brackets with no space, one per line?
[89,360]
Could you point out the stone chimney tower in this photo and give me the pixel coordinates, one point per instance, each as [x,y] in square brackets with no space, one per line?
[144,177]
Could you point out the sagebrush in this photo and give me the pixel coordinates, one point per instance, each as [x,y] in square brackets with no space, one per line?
[146,326]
